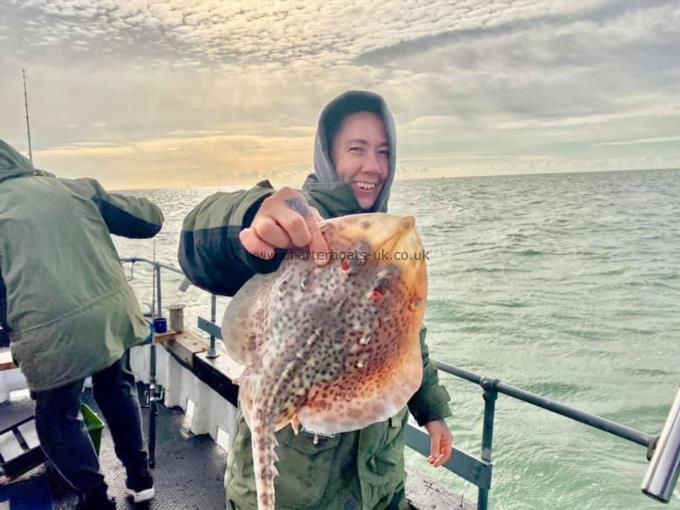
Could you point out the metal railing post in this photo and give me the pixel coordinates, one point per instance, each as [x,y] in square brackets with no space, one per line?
[490,395]
[212,352]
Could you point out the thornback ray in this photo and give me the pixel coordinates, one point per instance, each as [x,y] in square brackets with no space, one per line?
[333,348]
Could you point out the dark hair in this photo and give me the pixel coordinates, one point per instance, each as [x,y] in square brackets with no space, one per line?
[348,105]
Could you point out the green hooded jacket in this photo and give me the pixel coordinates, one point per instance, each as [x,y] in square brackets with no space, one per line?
[360,470]
[69,308]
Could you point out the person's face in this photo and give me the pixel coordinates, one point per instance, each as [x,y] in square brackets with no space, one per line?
[361,156]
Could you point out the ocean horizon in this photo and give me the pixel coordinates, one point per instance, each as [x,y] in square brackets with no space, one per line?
[398,178]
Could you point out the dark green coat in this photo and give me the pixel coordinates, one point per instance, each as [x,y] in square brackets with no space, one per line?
[350,471]
[68,305]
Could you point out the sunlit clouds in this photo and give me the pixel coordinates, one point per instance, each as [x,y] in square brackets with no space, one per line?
[191,93]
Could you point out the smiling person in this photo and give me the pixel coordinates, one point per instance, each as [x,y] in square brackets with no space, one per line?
[360,154]
[229,237]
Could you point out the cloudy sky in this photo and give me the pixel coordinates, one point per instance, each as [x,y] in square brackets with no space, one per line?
[145,93]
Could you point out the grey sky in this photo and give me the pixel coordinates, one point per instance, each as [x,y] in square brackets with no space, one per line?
[143,93]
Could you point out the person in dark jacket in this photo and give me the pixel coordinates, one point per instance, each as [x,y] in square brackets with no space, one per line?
[71,314]
[229,237]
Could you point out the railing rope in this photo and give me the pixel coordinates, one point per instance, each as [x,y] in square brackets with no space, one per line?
[134,260]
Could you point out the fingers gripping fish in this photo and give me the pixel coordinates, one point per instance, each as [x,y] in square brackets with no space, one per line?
[334,348]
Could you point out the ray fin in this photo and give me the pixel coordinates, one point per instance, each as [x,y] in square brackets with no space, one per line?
[243,318]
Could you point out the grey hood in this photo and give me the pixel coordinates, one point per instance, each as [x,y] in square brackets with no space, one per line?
[350,102]
[13,164]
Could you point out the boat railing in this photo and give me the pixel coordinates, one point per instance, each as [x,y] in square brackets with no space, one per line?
[479,470]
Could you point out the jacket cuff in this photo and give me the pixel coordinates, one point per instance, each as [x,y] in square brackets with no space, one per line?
[435,407]
[437,414]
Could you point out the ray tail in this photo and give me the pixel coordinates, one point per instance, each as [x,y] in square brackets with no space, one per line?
[264,456]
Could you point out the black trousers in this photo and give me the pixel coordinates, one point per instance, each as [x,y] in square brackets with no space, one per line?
[65,441]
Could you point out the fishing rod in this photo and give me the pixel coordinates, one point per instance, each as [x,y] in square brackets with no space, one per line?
[28,125]
[155,391]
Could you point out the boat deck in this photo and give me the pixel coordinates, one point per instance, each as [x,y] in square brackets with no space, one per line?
[189,469]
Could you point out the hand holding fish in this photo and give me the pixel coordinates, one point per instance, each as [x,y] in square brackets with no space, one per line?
[441,443]
[285,220]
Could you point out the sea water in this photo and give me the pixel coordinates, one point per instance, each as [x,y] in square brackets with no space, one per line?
[565,285]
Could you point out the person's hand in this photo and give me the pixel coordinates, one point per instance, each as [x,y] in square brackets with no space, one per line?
[285,220]
[441,443]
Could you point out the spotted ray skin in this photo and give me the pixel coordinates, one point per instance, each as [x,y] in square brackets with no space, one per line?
[334,348]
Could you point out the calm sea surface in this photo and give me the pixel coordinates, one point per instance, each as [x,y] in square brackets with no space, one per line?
[564,285]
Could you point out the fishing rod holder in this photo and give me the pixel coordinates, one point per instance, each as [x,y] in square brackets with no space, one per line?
[662,474]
